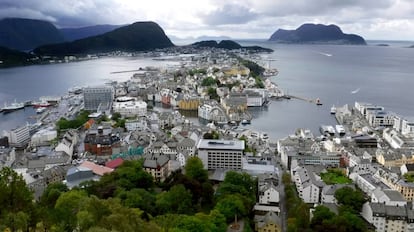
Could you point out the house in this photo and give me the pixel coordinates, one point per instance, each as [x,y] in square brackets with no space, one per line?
[308,183]
[270,222]
[388,197]
[268,189]
[388,217]
[157,167]
[407,169]
[99,140]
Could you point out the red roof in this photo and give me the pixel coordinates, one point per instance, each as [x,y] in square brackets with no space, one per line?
[114,163]
[97,169]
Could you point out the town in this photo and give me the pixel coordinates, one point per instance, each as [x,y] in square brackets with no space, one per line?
[358,176]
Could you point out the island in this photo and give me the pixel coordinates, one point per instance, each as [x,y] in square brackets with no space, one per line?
[316,34]
[228,45]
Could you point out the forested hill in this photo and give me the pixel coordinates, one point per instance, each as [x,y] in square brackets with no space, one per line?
[27,34]
[316,34]
[139,36]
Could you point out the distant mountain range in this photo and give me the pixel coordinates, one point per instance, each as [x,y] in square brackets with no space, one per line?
[316,34]
[71,34]
[228,44]
[139,36]
[27,34]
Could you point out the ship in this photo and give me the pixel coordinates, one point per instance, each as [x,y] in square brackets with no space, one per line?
[318,102]
[340,129]
[41,110]
[333,109]
[41,104]
[12,107]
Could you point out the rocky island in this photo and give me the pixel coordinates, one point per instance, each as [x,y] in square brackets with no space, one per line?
[228,45]
[316,34]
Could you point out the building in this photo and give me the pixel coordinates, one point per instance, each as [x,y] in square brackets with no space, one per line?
[130,108]
[158,167]
[388,217]
[19,136]
[270,222]
[403,125]
[308,183]
[99,141]
[43,137]
[388,197]
[94,97]
[221,154]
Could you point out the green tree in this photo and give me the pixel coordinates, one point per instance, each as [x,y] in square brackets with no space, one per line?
[353,199]
[213,93]
[16,204]
[138,198]
[230,206]
[194,169]
[177,200]
[67,206]
[208,81]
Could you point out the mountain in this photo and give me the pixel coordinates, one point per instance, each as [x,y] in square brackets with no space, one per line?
[229,45]
[71,34]
[139,36]
[316,34]
[26,34]
[9,57]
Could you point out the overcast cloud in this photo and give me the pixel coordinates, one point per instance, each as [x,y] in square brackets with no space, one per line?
[373,19]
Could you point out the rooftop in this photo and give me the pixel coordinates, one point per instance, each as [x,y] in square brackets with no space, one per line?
[220,144]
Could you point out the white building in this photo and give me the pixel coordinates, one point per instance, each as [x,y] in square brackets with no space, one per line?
[403,125]
[221,154]
[388,217]
[43,136]
[380,118]
[388,197]
[308,184]
[138,124]
[19,136]
[130,108]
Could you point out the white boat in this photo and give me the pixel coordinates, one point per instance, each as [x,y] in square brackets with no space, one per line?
[331,130]
[333,109]
[340,129]
[245,122]
[12,107]
[41,110]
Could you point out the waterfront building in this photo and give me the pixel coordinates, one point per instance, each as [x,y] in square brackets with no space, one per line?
[19,136]
[94,97]
[221,154]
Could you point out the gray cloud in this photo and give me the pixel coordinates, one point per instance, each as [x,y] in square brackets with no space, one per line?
[229,14]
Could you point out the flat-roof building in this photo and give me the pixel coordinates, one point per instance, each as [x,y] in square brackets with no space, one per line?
[221,154]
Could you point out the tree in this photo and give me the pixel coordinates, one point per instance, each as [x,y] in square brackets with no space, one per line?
[230,206]
[354,199]
[213,93]
[321,218]
[138,198]
[67,206]
[15,200]
[194,169]
[208,81]
[177,200]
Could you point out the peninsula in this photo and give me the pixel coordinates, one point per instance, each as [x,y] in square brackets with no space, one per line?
[316,34]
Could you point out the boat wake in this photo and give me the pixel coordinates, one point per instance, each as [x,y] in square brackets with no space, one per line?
[355,91]
[325,54]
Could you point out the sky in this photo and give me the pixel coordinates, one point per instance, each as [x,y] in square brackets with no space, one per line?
[240,19]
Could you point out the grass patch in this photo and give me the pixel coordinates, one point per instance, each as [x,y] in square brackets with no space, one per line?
[335,176]
[409,177]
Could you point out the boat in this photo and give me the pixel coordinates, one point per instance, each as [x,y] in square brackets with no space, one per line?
[324,129]
[331,130]
[245,122]
[333,109]
[318,102]
[340,129]
[12,107]
[41,110]
[264,136]
[41,104]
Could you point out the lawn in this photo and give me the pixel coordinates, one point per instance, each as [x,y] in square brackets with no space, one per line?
[335,176]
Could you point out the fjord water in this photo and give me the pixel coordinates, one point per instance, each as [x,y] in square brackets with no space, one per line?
[383,76]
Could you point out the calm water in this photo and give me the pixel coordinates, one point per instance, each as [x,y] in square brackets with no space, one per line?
[384,76]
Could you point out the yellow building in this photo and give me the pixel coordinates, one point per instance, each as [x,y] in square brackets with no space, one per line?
[189,104]
[270,222]
[393,158]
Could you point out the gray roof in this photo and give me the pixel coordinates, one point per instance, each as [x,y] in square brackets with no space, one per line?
[211,144]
